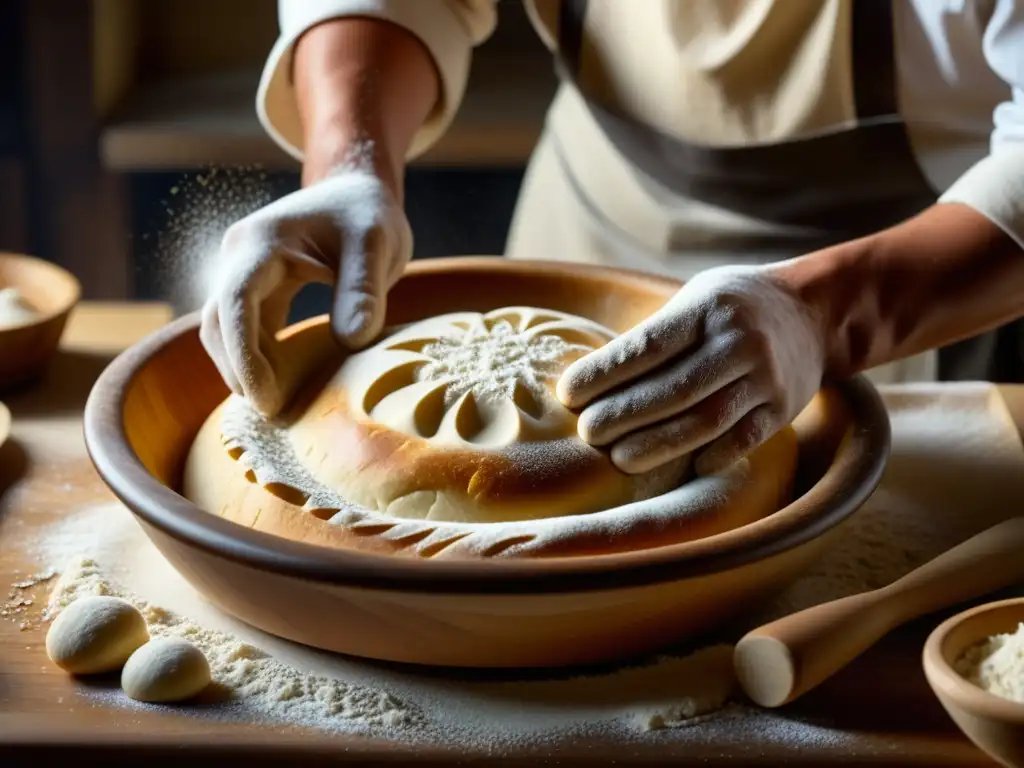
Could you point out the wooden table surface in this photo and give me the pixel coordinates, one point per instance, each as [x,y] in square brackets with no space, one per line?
[882,697]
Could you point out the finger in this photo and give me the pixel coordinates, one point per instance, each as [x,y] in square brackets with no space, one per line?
[360,295]
[665,393]
[298,270]
[239,314]
[712,417]
[746,435]
[211,336]
[667,333]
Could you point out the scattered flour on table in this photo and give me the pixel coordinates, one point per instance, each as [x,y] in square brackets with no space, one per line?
[685,698]
[997,664]
[676,699]
[256,681]
[955,469]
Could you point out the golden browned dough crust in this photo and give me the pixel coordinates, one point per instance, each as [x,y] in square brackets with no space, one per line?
[445,439]
[751,489]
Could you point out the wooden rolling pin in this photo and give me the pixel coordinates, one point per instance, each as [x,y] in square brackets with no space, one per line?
[780,661]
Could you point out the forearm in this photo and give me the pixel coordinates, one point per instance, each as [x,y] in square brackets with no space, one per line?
[364,87]
[943,276]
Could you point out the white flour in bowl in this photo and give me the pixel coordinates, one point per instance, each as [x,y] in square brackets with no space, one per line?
[997,664]
[14,310]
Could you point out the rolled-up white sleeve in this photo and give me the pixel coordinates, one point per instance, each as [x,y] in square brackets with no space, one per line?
[447,28]
[994,186]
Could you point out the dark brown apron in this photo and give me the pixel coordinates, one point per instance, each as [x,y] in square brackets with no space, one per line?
[793,183]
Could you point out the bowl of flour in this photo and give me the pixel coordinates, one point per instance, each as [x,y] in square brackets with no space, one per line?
[36,298]
[974,663]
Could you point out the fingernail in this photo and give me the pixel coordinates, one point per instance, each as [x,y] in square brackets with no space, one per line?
[353,324]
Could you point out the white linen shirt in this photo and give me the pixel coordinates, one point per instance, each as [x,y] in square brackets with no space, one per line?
[960,77]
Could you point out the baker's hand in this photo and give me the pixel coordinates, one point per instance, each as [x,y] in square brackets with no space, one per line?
[347,230]
[732,358]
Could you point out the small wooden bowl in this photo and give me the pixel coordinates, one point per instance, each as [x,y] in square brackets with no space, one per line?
[25,350]
[994,724]
[146,408]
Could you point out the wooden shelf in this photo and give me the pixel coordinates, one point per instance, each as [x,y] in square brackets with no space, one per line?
[209,119]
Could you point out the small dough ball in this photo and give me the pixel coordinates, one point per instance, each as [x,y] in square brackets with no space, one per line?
[95,634]
[165,669]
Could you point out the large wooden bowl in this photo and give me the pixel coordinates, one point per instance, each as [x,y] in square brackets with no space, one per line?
[148,405]
[994,724]
[26,350]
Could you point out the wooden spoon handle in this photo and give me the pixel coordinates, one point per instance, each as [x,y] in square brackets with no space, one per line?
[782,660]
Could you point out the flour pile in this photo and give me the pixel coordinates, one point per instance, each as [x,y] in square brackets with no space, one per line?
[492,362]
[997,664]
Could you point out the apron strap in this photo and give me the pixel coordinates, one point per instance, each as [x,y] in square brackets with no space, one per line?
[874,59]
[572,16]
[790,183]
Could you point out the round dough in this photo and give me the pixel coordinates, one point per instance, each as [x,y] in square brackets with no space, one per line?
[455,418]
[452,419]
[375,454]
[95,634]
[164,670]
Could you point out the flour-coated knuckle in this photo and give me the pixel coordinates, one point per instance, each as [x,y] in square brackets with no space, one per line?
[777,378]
[707,416]
[694,375]
[740,394]
[725,412]
[360,277]
[209,333]
[369,239]
[755,428]
[238,237]
[729,347]
[236,291]
[209,317]
[647,340]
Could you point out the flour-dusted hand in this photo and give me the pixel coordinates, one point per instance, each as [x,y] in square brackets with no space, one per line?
[732,358]
[347,230]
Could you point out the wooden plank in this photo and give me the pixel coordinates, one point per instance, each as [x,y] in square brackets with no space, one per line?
[211,119]
[82,210]
[110,327]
